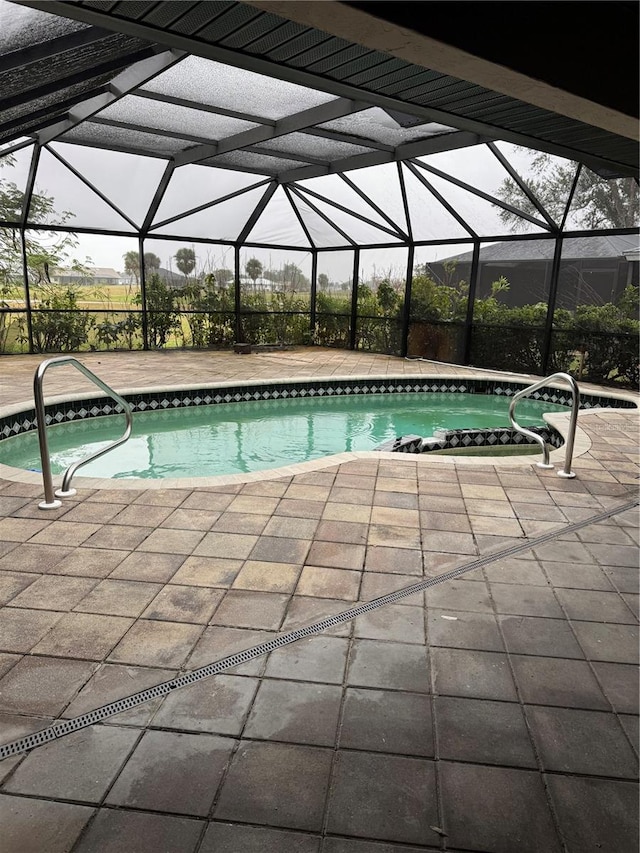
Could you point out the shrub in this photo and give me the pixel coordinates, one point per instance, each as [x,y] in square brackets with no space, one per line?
[58,325]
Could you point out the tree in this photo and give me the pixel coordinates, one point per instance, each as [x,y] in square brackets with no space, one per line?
[44,250]
[162,317]
[253,268]
[185,261]
[432,302]
[597,202]
[293,278]
[223,276]
[132,265]
[151,262]
[387,297]
[323,281]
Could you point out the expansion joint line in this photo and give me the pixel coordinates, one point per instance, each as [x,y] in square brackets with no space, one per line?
[60,729]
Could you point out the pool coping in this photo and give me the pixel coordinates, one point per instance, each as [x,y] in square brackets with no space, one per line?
[557,421]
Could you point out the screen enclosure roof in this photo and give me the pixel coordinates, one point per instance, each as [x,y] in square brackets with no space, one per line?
[276,103]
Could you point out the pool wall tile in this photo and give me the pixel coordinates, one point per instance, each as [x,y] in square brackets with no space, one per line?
[95,407]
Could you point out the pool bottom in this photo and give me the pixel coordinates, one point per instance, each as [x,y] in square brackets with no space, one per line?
[240,438]
[358,462]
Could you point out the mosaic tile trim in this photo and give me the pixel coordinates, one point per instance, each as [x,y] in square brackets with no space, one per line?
[463,438]
[169,400]
[553,395]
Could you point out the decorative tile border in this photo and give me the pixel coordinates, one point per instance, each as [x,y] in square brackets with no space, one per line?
[501,437]
[84,409]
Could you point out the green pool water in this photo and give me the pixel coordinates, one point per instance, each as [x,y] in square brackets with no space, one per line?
[235,438]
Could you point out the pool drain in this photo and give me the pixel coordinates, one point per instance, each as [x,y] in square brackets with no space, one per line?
[59,729]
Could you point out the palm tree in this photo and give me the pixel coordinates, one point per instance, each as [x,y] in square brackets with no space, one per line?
[151,262]
[253,268]
[185,261]
[132,265]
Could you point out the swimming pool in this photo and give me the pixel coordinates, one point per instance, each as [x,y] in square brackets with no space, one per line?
[248,436]
[87,413]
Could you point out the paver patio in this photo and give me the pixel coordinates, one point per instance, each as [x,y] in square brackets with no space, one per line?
[495,712]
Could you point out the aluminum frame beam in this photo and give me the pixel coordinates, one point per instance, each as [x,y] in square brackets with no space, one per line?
[521,184]
[256,213]
[404,235]
[440,198]
[352,243]
[112,66]
[287,192]
[475,191]
[196,105]
[405,202]
[92,187]
[209,204]
[394,232]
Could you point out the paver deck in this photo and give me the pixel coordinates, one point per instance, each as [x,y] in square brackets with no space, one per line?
[494,712]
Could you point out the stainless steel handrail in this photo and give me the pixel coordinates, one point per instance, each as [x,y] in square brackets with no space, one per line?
[575,406]
[50,501]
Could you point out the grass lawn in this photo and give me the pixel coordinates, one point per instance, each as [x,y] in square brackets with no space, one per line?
[118,297]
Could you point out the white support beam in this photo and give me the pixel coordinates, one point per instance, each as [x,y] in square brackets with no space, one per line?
[432,145]
[330,111]
[127,80]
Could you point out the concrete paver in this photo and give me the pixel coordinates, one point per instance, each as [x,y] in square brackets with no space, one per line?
[495,712]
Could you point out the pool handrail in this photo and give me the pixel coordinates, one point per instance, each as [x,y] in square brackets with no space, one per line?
[575,406]
[50,501]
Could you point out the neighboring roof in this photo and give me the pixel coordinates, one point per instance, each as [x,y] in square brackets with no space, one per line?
[164,79]
[95,272]
[542,250]
[169,276]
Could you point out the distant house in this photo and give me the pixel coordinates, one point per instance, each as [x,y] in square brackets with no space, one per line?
[248,285]
[593,270]
[260,284]
[93,276]
[177,280]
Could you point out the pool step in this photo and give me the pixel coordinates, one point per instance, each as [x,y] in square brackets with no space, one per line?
[461,439]
[402,444]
